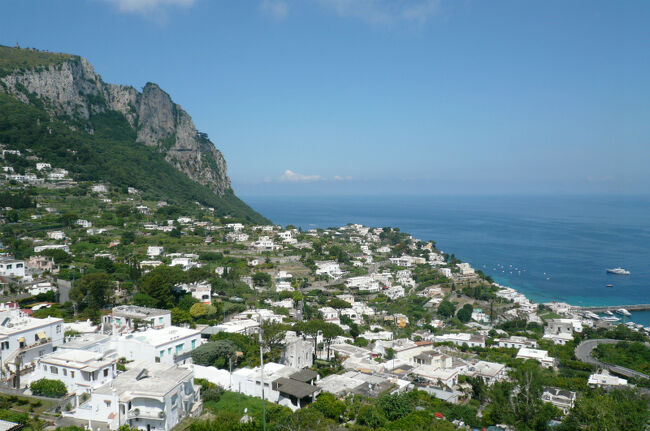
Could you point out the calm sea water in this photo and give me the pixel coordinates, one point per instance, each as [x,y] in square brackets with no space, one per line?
[549,248]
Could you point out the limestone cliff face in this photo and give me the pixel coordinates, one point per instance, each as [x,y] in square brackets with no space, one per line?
[72,88]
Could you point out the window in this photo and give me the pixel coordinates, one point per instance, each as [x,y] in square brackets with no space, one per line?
[193,344]
[179,348]
[54,370]
[157,359]
[162,353]
[58,329]
[174,399]
[72,374]
[105,372]
[108,403]
[169,351]
[160,320]
[65,372]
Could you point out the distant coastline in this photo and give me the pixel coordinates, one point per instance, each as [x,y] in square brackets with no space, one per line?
[561,245]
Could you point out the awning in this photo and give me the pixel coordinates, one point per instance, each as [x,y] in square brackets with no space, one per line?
[21,340]
[41,335]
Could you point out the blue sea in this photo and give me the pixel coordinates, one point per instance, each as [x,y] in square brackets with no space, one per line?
[549,248]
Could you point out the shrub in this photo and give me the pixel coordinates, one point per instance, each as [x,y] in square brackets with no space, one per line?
[48,388]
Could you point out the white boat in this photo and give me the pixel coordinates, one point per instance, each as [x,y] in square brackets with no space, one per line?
[610,319]
[591,315]
[624,312]
[609,313]
[618,271]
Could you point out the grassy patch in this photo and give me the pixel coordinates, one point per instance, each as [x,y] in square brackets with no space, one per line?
[231,401]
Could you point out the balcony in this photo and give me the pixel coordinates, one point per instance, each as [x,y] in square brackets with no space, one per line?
[146,413]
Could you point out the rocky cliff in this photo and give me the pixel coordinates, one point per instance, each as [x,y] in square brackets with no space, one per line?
[69,87]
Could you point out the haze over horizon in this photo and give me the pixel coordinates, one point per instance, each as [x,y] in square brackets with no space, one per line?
[375,96]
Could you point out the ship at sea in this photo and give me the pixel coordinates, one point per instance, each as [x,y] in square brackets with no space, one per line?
[618,271]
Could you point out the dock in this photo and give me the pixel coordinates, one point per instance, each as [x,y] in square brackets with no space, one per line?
[602,309]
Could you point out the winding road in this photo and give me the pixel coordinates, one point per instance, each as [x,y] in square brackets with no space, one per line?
[583,353]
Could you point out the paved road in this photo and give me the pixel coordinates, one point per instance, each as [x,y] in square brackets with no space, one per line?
[583,353]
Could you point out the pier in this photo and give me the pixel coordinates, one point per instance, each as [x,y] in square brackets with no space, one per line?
[602,309]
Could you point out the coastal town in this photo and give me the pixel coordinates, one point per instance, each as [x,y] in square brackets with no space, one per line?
[131,311]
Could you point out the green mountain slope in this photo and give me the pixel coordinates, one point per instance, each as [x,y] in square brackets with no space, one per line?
[56,106]
[110,154]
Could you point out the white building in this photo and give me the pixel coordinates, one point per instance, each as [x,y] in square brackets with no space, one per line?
[298,351]
[149,397]
[185,263]
[167,345]
[560,398]
[394,292]
[99,188]
[264,243]
[126,318]
[283,385]
[10,267]
[472,340]
[154,251]
[516,342]
[244,326]
[25,335]
[605,380]
[56,234]
[560,331]
[490,372]
[83,223]
[329,268]
[81,371]
[446,272]
[540,356]
[43,166]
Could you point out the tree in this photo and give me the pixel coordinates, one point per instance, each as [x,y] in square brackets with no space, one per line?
[446,308]
[624,410]
[261,279]
[371,417]
[273,334]
[48,388]
[465,313]
[198,310]
[396,406]
[159,284]
[208,353]
[330,331]
[92,290]
[127,237]
[330,406]
[338,304]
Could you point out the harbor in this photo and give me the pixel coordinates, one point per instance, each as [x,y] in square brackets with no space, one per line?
[614,308]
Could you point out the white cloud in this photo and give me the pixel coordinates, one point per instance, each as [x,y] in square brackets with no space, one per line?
[384,11]
[295,177]
[276,9]
[148,6]
[340,178]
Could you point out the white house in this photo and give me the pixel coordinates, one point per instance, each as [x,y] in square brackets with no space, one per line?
[446,272]
[10,267]
[149,397]
[394,292]
[329,268]
[490,372]
[43,166]
[154,251]
[516,342]
[185,263]
[126,318]
[605,380]
[25,335]
[560,398]
[56,234]
[540,356]
[472,340]
[166,345]
[80,370]
[298,351]
[83,223]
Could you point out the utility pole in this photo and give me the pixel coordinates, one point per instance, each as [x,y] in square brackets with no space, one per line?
[262,375]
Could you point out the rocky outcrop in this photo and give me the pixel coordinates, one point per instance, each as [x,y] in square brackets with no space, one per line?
[72,88]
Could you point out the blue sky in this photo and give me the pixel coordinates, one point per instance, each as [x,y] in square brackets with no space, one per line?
[383,96]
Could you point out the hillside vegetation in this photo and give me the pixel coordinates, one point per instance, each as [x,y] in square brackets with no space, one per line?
[110,154]
[12,59]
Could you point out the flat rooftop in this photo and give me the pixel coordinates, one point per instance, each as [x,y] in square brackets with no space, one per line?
[158,337]
[84,341]
[79,359]
[146,379]
[137,312]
